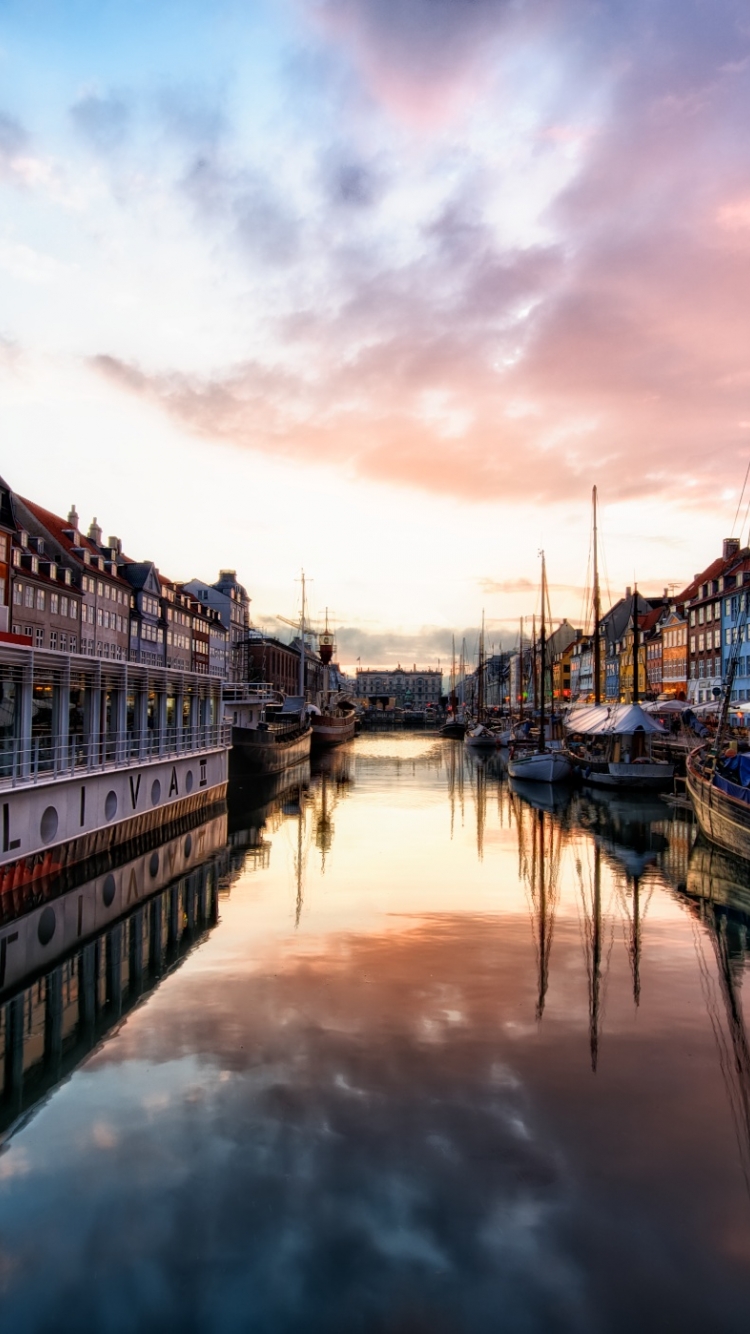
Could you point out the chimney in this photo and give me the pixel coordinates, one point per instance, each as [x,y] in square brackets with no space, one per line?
[95,533]
[628,592]
[730,547]
[73,517]
[115,544]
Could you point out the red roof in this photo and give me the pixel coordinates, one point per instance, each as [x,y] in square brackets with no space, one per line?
[59,529]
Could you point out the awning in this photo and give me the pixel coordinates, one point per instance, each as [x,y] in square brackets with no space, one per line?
[612,719]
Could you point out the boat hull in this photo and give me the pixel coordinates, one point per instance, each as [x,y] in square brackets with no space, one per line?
[256,753]
[723,819]
[542,767]
[636,777]
[480,742]
[455,731]
[329,730]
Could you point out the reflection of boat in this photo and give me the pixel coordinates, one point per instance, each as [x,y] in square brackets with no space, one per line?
[72,967]
[254,805]
[610,746]
[543,796]
[717,884]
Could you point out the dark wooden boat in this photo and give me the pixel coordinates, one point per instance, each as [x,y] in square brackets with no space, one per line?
[455,730]
[332,727]
[721,798]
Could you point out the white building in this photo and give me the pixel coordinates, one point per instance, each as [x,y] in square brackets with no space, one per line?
[413,689]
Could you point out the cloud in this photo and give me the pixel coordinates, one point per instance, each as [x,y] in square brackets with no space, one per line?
[13,138]
[102,120]
[420,57]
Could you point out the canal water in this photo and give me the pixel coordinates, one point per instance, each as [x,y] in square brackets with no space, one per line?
[396,1048]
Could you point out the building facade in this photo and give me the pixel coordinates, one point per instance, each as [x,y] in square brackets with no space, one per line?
[410,689]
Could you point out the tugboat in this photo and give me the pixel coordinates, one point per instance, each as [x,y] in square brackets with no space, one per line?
[335,721]
[270,731]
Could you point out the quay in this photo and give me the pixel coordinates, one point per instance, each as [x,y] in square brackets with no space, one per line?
[96,752]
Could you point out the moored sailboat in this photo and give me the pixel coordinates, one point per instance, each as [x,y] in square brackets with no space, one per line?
[544,764]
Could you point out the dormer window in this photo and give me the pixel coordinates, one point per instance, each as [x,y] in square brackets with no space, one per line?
[24,538]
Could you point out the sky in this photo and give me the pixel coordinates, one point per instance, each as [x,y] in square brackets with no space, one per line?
[381,289]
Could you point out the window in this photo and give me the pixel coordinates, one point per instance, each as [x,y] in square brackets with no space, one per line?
[54,603]
[73,644]
[63,642]
[63,606]
[692,618]
[107,591]
[53,639]
[700,616]
[39,637]
[99,616]
[701,668]
[40,599]
[100,588]
[73,609]
[701,643]
[709,612]
[28,596]
[17,594]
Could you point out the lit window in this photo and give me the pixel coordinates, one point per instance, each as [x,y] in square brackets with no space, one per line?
[18,594]
[63,606]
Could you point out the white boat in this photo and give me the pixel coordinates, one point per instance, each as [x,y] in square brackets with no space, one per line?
[540,766]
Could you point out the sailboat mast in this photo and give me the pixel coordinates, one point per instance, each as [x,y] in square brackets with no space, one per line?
[597,612]
[636,645]
[534,663]
[520,668]
[480,680]
[302,642]
[542,659]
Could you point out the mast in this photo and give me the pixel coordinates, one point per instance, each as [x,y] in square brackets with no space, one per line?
[542,658]
[534,673]
[454,697]
[636,645]
[597,613]
[480,676]
[301,682]
[520,668]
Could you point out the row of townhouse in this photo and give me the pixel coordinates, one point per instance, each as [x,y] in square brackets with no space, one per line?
[71,592]
[684,640]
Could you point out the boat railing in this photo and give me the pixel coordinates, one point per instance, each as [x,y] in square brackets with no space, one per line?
[48,757]
[248,691]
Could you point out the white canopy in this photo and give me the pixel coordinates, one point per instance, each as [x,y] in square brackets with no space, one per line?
[606,719]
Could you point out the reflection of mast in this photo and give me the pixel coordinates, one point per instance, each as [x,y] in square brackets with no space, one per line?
[593,948]
[636,936]
[481,775]
[298,861]
[539,862]
[324,824]
[734,1062]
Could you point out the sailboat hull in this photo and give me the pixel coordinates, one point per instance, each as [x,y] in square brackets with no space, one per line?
[542,767]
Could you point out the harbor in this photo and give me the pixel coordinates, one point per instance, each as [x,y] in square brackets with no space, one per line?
[387,995]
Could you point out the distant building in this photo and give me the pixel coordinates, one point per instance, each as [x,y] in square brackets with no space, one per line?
[230,599]
[412,689]
[703,601]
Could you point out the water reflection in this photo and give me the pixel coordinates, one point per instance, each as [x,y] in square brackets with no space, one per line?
[77,961]
[453,1053]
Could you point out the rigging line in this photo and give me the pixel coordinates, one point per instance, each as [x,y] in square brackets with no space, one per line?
[739,502]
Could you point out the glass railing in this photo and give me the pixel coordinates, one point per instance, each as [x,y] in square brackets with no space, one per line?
[47,756]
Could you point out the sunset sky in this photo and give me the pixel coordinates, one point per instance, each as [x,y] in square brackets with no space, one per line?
[381,288]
